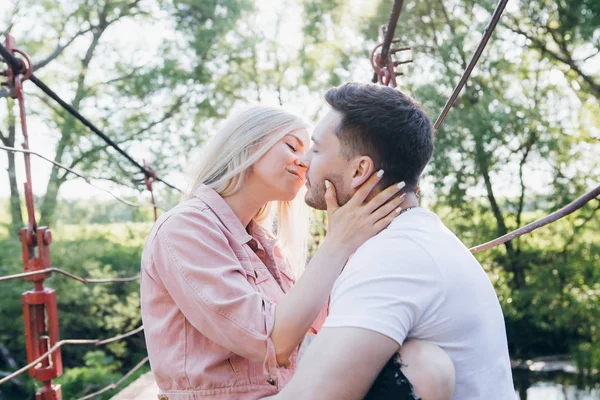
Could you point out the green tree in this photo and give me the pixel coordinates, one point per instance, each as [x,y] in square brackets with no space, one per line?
[137,98]
[565,33]
[515,141]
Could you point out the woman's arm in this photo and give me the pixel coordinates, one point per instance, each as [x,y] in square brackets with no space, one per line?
[296,311]
[192,259]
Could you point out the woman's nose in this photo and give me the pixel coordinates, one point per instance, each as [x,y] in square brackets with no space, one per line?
[301,163]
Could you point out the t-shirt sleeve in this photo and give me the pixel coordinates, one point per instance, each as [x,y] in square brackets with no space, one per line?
[388,286]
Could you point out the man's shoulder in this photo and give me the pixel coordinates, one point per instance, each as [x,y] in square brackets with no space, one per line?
[385,244]
[416,218]
[427,231]
[392,251]
[405,232]
[417,239]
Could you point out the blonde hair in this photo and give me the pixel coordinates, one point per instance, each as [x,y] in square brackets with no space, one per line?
[224,163]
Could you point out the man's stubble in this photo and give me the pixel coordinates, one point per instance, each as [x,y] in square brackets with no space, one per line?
[315,196]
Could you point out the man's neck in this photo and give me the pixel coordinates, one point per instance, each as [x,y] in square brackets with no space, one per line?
[411,200]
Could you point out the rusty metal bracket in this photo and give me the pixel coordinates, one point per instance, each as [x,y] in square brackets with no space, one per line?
[384,68]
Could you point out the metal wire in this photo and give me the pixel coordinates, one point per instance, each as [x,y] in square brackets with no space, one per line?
[67,274]
[463,80]
[563,212]
[118,383]
[58,345]
[86,178]
[46,354]
[120,337]
[18,66]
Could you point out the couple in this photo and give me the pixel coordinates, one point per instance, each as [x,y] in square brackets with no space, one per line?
[225,308]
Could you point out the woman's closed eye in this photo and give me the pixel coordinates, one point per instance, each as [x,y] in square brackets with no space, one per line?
[292,147]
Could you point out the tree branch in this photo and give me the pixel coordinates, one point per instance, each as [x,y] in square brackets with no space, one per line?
[482,162]
[95,149]
[59,49]
[128,75]
[528,147]
[591,56]
[125,13]
[577,228]
[11,21]
[91,151]
[433,28]
[166,116]
[44,99]
[4,139]
[461,52]
[564,58]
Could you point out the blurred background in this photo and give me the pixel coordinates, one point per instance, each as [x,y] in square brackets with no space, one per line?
[160,76]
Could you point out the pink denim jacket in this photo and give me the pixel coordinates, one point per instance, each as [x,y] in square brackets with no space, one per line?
[208,295]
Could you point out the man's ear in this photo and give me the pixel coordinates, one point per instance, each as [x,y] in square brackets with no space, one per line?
[362,168]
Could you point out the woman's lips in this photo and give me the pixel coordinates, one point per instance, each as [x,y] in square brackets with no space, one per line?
[297,175]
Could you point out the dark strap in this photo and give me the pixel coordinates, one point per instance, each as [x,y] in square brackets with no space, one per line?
[391,383]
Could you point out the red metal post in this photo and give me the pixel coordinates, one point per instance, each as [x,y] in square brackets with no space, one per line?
[39,305]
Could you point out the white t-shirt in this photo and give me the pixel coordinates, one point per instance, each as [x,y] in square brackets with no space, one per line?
[417,280]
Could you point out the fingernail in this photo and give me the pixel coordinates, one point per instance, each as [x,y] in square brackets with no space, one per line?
[380,173]
[398,210]
[326,184]
[401,185]
[402,197]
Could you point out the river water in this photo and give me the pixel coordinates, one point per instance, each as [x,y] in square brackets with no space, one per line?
[554,380]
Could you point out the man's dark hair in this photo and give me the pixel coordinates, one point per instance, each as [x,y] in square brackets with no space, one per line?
[387,126]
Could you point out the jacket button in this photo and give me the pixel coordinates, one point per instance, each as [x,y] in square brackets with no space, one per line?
[163,397]
[270,381]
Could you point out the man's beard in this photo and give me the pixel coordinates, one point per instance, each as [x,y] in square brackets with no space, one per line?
[315,196]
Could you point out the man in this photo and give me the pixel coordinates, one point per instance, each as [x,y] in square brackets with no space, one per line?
[415,280]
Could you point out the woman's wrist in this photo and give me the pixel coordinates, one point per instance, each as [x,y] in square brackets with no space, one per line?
[334,251]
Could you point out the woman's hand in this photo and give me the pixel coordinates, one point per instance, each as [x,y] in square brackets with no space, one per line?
[357,221]
[349,227]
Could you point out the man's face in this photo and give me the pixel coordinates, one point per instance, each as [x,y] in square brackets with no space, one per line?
[325,162]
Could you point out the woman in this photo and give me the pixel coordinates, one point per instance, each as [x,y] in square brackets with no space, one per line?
[222,311]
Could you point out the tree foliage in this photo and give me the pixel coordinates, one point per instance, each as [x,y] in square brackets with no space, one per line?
[520,138]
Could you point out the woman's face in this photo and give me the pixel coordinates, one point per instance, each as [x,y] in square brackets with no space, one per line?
[279,171]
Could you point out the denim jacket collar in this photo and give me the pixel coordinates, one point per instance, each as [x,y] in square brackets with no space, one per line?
[219,206]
